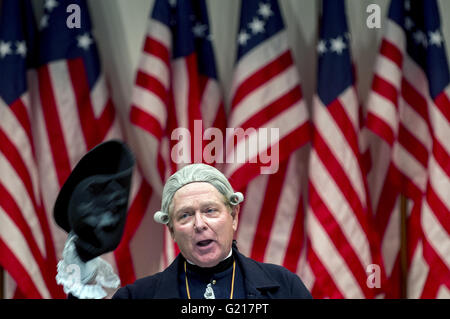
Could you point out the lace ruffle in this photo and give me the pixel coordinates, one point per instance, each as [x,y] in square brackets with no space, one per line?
[84,280]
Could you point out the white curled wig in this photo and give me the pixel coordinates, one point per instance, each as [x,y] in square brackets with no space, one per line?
[190,174]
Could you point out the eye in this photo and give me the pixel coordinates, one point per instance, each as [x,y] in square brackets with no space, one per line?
[210,210]
[183,215]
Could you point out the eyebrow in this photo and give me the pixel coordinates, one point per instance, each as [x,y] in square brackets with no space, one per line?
[209,203]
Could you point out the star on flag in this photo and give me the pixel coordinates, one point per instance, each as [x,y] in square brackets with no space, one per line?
[257,26]
[435,38]
[338,45]
[5,48]
[84,41]
[21,48]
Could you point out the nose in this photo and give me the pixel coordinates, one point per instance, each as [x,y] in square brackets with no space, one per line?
[199,223]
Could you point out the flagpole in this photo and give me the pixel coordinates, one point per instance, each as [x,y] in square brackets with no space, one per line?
[403,247]
[2,273]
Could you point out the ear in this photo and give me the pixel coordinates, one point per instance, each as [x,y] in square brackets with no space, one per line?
[235,215]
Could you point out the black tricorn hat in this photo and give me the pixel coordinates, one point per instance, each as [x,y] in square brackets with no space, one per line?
[93,201]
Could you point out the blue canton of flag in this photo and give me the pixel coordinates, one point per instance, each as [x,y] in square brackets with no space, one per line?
[17,49]
[189,25]
[425,43]
[260,21]
[335,73]
[177,16]
[203,45]
[60,40]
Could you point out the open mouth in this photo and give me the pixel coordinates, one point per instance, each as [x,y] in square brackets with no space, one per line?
[204,243]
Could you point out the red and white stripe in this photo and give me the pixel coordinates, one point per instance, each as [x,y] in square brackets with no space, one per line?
[24,237]
[149,110]
[338,217]
[266,93]
[415,131]
[66,126]
[430,263]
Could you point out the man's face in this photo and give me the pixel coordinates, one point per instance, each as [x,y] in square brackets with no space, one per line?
[202,224]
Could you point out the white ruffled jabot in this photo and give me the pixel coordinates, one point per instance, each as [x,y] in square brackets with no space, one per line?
[84,280]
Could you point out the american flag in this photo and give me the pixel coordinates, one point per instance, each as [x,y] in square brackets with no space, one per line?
[408,110]
[338,222]
[72,111]
[67,112]
[26,248]
[176,85]
[266,94]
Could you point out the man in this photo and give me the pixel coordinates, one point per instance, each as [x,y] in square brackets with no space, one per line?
[201,210]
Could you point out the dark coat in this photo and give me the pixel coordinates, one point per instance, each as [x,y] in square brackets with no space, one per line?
[261,280]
